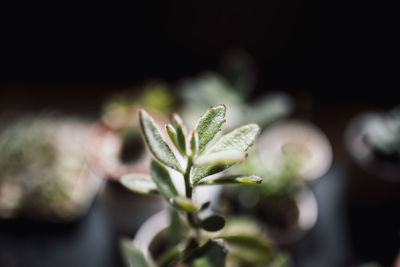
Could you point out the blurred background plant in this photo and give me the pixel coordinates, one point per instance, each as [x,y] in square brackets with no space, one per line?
[43,171]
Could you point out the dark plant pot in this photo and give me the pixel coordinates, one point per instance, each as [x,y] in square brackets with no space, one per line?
[286,217]
[373,197]
[373,178]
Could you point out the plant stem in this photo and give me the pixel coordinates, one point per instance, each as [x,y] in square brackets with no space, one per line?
[186,176]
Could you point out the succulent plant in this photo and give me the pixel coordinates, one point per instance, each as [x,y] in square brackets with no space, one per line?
[203,154]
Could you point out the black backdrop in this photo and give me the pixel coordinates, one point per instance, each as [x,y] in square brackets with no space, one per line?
[337,50]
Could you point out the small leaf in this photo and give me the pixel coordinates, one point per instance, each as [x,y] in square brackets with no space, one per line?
[211,254]
[224,157]
[200,172]
[232,179]
[156,142]
[178,228]
[190,246]
[170,256]
[213,223]
[163,180]
[132,256]
[180,132]
[183,203]
[139,183]
[177,122]
[209,125]
[205,205]
[172,134]
[194,143]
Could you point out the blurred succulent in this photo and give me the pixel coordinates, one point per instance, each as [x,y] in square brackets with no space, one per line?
[204,154]
[382,134]
[210,88]
[119,110]
[44,175]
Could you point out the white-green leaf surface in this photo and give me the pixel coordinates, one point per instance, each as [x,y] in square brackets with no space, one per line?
[163,180]
[183,203]
[218,158]
[139,183]
[156,142]
[240,140]
[209,125]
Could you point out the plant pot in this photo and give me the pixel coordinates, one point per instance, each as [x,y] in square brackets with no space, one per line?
[287,217]
[372,178]
[302,138]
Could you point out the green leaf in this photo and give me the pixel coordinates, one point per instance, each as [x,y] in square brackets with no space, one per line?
[205,205]
[183,203]
[156,142]
[139,183]
[172,134]
[232,179]
[169,257]
[252,250]
[209,125]
[198,173]
[213,223]
[211,254]
[180,132]
[194,143]
[240,139]
[191,245]
[163,180]
[132,256]
[178,230]
[224,157]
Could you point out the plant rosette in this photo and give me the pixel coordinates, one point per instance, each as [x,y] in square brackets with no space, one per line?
[373,141]
[44,173]
[200,156]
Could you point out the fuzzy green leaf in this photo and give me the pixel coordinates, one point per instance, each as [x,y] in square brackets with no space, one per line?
[220,158]
[180,132]
[232,179]
[172,134]
[213,223]
[139,183]
[211,254]
[163,180]
[240,139]
[132,256]
[194,143]
[183,203]
[156,142]
[209,125]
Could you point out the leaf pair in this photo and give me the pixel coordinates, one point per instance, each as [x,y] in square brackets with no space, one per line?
[228,150]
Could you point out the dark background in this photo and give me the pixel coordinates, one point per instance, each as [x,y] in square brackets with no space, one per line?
[338,57]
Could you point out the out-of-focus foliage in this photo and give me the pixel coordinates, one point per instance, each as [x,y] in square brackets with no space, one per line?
[43,171]
[382,133]
[120,110]
[211,89]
